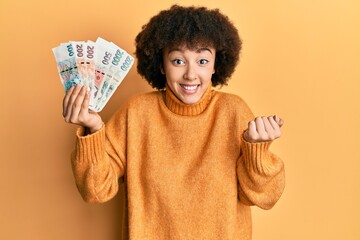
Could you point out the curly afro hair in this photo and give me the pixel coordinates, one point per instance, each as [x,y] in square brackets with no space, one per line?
[190,27]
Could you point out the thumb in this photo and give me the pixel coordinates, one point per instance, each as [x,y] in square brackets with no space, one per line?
[278,120]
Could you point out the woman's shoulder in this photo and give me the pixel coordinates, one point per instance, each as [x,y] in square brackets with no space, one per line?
[137,105]
[141,101]
[230,99]
[232,105]
[144,98]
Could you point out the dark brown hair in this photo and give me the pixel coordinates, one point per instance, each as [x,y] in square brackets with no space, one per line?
[192,27]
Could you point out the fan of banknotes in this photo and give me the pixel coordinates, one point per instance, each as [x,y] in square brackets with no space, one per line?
[100,65]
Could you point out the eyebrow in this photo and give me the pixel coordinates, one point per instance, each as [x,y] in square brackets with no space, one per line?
[197,50]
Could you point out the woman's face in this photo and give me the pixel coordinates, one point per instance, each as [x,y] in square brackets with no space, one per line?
[188,72]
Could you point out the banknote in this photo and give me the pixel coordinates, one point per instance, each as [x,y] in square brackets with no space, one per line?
[119,67]
[90,56]
[79,49]
[102,68]
[66,65]
[99,65]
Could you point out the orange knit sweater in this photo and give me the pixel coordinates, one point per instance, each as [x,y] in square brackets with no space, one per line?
[189,174]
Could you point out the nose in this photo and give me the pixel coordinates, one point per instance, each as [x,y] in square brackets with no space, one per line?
[190,73]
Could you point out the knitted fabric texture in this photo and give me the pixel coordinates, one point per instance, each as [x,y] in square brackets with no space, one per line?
[189,173]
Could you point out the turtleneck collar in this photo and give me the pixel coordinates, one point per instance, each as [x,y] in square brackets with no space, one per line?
[180,108]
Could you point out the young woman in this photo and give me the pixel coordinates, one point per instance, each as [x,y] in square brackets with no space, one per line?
[193,159]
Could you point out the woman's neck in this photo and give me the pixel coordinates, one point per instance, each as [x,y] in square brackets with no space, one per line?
[180,108]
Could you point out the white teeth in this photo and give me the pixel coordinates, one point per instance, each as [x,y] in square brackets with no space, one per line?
[189,87]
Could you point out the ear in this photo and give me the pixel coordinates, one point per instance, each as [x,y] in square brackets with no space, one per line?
[162,70]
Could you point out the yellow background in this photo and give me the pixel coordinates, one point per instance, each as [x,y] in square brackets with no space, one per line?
[300,60]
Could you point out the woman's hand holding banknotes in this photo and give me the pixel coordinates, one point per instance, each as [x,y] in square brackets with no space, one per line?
[76,109]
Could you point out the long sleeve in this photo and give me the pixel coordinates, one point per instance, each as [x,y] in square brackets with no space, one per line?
[99,161]
[261,175]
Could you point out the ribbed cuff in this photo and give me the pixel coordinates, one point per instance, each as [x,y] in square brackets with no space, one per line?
[256,155]
[90,148]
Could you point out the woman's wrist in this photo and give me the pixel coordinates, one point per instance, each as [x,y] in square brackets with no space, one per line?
[91,130]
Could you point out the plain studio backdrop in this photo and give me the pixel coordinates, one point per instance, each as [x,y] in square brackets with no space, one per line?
[300,60]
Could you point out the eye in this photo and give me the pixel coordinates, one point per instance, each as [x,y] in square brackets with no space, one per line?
[203,61]
[178,61]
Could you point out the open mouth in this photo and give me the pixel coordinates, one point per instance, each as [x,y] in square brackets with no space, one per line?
[190,87]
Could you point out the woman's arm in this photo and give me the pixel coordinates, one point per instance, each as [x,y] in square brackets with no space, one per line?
[98,162]
[261,174]
[99,157]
